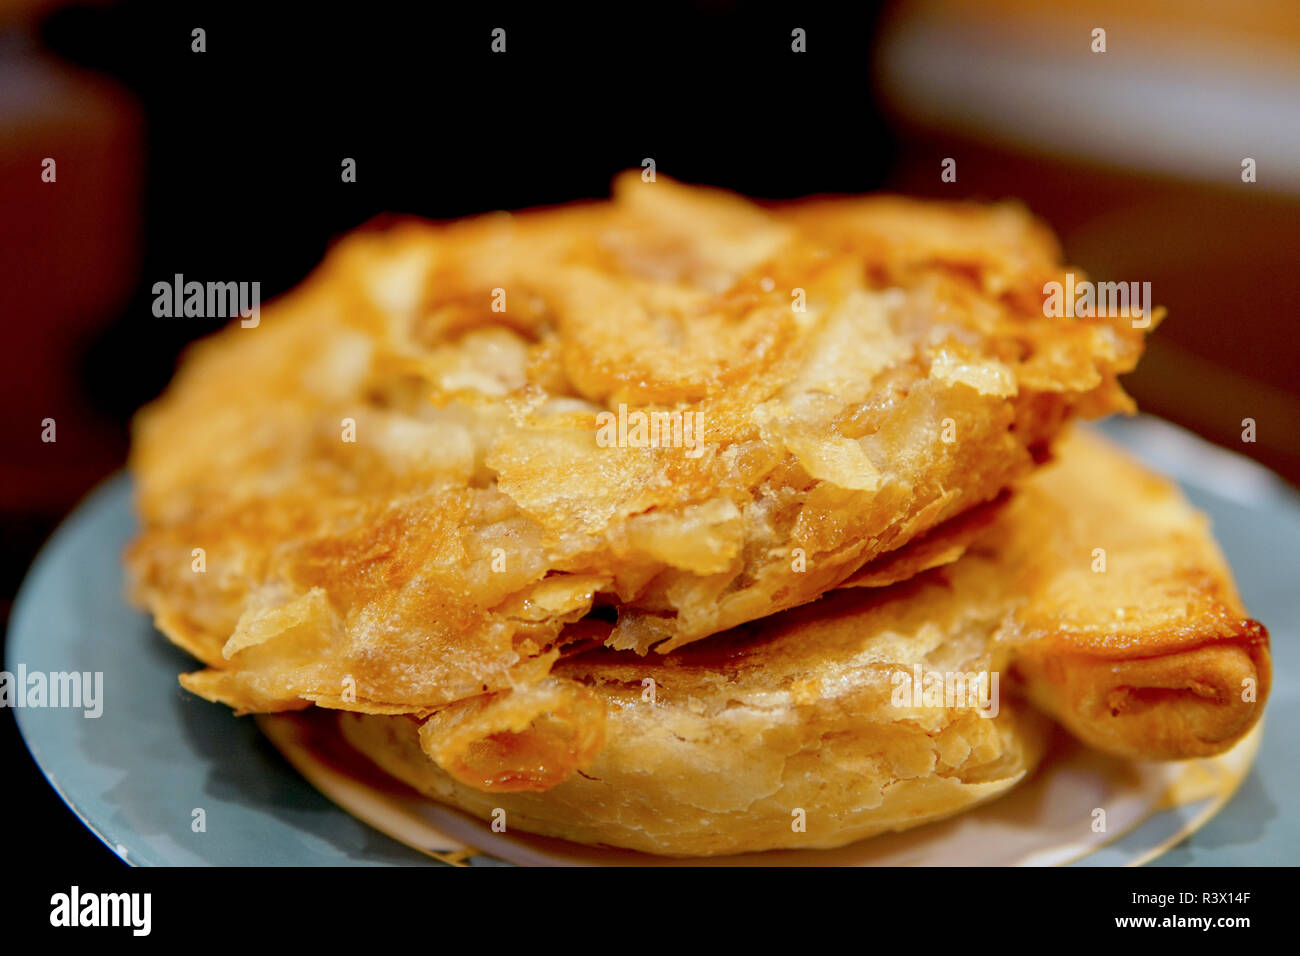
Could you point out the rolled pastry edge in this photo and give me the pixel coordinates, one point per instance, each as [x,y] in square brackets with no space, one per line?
[1191,702]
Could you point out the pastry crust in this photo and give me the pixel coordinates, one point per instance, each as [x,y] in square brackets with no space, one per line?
[1147,658]
[791,742]
[397,481]
[1131,632]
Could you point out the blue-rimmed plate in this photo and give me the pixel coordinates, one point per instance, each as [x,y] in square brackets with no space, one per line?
[158,761]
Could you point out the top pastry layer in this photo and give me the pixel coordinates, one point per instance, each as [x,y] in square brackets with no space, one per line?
[454,439]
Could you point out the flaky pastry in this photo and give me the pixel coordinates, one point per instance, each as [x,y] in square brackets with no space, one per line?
[676,407]
[800,715]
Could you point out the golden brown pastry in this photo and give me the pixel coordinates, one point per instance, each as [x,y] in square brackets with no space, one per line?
[806,710]
[1131,632]
[781,733]
[397,490]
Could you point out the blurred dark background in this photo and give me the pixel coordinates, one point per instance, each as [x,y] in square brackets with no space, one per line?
[226,165]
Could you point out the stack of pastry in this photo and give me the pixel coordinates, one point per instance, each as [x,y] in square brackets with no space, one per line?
[686,525]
